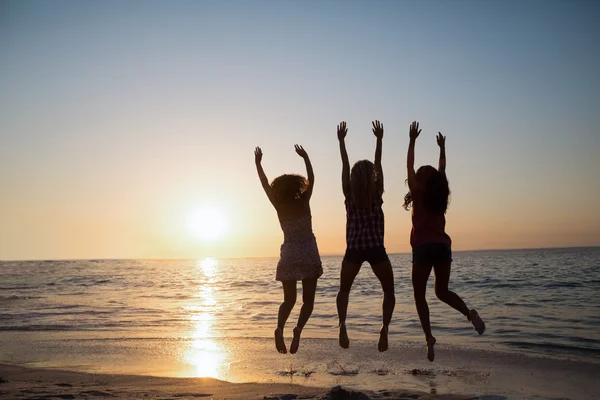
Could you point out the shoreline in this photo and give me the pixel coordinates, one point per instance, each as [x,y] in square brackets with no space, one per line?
[256,371]
[45,383]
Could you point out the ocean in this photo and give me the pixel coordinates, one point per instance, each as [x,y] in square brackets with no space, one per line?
[215,317]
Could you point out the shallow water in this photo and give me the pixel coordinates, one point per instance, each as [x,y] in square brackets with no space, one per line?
[487,374]
[215,318]
[541,301]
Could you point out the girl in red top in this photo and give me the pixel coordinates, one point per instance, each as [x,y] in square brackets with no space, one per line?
[431,246]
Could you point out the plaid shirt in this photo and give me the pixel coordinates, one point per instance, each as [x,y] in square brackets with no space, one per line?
[364,226]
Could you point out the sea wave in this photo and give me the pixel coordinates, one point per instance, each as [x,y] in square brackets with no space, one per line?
[553,304]
[561,348]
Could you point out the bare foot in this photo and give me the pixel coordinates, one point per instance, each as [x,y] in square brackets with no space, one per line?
[477,322]
[430,353]
[344,341]
[295,340]
[279,342]
[383,339]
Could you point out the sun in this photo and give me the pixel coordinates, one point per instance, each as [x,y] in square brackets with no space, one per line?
[207,223]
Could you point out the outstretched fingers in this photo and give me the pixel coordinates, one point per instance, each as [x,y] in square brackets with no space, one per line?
[414,130]
[441,139]
[342,130]
[258,154]
[377,128]
[300,150]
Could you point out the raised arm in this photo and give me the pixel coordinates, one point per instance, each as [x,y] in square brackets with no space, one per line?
[413,134]
[378,132]
[441,141]
[261,174]
[341,133]
[309,171]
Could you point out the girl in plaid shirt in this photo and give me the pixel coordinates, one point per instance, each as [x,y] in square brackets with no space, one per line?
[363,190]
[428,197]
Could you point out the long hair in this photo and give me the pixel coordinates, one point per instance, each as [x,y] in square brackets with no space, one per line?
[288,187]
[436,190]
[363,178]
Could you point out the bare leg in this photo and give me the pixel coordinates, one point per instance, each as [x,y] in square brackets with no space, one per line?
[420,276]
[309,287]
[347,275]
[385,274]
[442,279]
[289,299]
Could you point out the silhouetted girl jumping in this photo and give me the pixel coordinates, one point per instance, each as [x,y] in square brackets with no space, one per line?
[299,261]
[363,190]
[431,245]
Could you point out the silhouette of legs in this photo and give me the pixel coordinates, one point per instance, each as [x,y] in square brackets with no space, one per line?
[420,276]
[476,321]
[289,299]
[347,275]
[385,274]
[309,287]
[442,278]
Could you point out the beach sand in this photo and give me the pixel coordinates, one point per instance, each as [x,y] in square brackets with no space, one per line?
[24,383]
[252,369]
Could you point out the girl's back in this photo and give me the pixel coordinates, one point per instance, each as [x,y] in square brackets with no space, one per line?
[293,210]
[364,225]
[297,229]
[427,226]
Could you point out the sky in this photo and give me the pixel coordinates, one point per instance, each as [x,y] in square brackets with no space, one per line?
[119,120]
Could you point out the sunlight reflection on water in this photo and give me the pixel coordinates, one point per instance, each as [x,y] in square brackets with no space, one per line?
[206,356]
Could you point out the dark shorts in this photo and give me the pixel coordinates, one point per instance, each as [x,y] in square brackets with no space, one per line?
[432,254]
[374,255]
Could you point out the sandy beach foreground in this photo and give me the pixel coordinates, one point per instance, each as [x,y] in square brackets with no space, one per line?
[24,383]
[250,369]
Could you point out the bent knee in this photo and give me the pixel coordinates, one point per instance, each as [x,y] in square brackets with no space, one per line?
[310,301]
[419,295]
[389,296]
[290,301]
[345,289]
[442,293]
[308,305]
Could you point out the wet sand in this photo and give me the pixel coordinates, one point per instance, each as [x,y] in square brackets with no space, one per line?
[38,384]
[320,363]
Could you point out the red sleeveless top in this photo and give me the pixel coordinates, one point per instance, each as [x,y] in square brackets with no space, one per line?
[427,226]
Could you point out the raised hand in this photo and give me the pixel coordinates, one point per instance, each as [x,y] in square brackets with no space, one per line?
[377,129]
[342,130]
[441,140]
[257,155]
[300,151]
[414,130]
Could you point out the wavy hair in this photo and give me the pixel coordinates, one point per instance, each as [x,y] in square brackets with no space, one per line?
[436,190]
[288,187]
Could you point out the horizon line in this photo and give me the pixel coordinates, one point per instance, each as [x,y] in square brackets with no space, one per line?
[267,257]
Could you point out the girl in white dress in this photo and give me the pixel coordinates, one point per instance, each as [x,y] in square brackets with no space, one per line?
[300,261]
